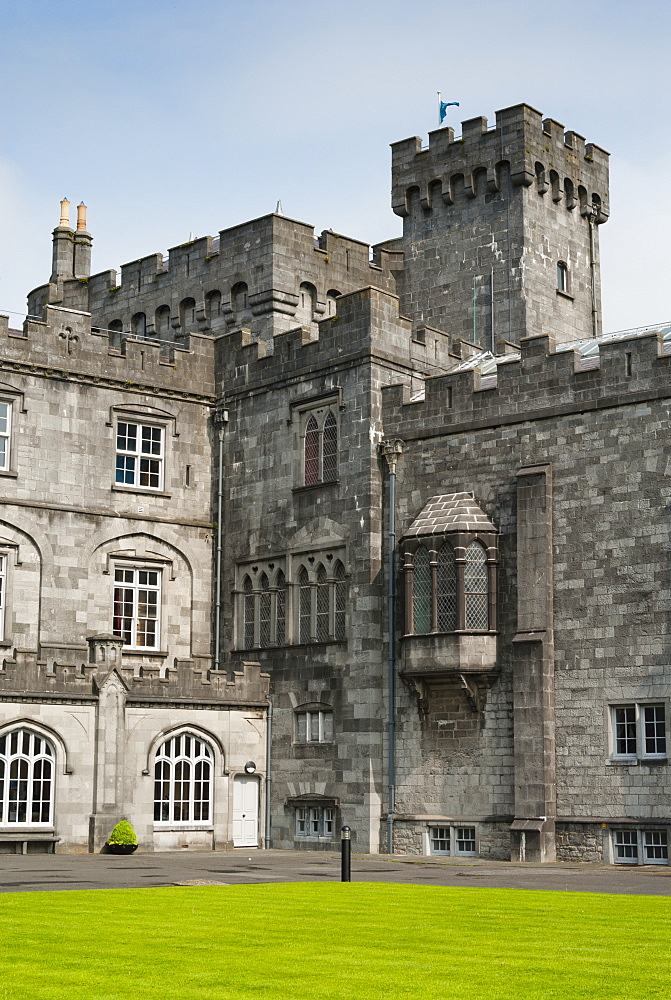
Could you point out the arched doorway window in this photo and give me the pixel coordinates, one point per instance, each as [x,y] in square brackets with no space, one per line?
[183,780]
[26,779]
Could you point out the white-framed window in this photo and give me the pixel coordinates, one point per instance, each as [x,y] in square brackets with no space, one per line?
[137,607]
[640,847]
[183,781]
[5,433]
[3,593]
[316,822]
[638,731]
[458,841]
[314,725]
[26,779]
[139,455]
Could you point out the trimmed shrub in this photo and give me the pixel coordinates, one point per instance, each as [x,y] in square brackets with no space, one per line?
[123,833]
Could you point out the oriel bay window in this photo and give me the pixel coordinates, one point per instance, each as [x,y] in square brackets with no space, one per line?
[449,563]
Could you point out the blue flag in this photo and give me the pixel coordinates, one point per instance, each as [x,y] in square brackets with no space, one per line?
[444,106]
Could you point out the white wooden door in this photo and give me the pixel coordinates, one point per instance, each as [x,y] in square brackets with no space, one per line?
[245,811]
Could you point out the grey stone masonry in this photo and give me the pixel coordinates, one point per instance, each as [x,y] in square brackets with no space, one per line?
[203,594]
[488,218]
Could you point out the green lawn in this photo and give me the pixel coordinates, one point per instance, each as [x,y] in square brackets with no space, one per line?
[316,941]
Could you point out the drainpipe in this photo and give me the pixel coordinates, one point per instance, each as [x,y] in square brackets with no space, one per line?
[220,421]
[269,730]
[591,219]
[391,451]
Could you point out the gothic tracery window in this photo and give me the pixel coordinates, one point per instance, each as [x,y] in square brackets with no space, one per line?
[320,447]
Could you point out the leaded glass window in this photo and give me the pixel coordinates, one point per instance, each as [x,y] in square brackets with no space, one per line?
[312,452]
[280,610]
[422,592]
[264,612]
[340,598]
[446,580]
[330,449]
[249,605]
[304,606]
[323,603]
[476,589]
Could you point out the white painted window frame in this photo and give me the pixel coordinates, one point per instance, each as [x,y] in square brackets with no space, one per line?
[638,836]
[135,586]
[453,830]
[138,455]
[6,436]
[639,718]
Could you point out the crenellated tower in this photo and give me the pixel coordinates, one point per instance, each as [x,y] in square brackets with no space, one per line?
[500,228]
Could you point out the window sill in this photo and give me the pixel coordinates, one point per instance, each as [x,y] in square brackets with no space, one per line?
[292,645]
[131,651]
[9,473]
[564,295]
[182,827]
[635,761]
[141,491]
[313,743]
[315,486]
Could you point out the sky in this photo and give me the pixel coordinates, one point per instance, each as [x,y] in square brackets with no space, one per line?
[168,119]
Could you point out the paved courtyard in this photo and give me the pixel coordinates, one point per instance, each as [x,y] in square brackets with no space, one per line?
[25,873]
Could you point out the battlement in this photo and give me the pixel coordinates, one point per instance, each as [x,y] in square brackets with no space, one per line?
[266,274]
[530,149]
[543,379]
[367,322]
[65,344]
[27,675]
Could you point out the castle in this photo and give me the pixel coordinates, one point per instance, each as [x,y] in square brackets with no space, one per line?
[298,532]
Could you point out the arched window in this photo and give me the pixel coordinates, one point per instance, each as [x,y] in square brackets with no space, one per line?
[187,315]
[307,300]
[26,778]
[421,594]
[304,606]
[312,440]
[183,780]
[330,449]
[249,606]
[476,589]
[320,447]
[138,325]
[281,610]
[264,612]
[562,277]
[323,603]
[331,298]
[340,598]
[446,589]
[162,322]
[213,306]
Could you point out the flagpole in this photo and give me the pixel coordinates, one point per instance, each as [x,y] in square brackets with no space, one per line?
[439,103]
